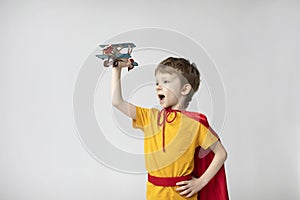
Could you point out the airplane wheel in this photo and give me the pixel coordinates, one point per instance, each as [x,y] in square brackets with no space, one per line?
[105,63]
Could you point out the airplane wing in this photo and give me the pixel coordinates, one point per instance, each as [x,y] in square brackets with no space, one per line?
[102,56]
[103,45]
[126,55]
[123,45]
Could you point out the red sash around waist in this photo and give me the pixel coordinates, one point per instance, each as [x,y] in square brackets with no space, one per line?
[167,181]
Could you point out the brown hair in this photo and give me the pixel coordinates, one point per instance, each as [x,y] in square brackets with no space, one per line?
[188,70]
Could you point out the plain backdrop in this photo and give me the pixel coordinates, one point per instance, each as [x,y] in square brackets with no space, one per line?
[43,44]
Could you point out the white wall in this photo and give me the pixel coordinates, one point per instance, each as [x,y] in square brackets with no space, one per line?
[44,45]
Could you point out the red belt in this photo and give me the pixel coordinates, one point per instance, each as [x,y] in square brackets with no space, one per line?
[167,181]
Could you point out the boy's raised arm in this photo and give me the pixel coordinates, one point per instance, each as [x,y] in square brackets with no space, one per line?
[116,91]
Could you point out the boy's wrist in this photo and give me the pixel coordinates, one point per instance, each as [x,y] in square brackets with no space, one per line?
[202,182]
[116,68]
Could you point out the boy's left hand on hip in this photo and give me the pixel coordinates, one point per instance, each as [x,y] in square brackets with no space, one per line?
[190,187]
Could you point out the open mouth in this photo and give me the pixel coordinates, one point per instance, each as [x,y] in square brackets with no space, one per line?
[161,96]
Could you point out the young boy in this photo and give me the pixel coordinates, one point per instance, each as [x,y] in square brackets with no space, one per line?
[172,135]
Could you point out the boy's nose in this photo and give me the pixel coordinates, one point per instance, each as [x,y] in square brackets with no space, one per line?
[158,87]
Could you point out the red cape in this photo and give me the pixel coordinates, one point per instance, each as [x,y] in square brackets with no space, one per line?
[216,189]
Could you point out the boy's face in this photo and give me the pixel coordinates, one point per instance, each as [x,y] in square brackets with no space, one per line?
[168,90]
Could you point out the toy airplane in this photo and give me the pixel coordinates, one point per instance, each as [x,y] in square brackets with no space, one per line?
[112,52]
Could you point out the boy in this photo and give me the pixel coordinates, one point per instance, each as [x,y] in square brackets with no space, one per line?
[173,134]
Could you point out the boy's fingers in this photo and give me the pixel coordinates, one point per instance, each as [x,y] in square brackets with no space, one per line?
[182,183]
[182,188]
[122,62]
[190,194]
[185,192]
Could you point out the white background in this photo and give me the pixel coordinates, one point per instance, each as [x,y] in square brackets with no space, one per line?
[255,45]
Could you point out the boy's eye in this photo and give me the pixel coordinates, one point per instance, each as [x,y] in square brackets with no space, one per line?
[165,81]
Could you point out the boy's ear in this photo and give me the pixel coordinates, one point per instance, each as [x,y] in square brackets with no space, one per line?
[186,88]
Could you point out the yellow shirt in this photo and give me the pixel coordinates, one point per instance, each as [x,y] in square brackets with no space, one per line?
[182,137]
